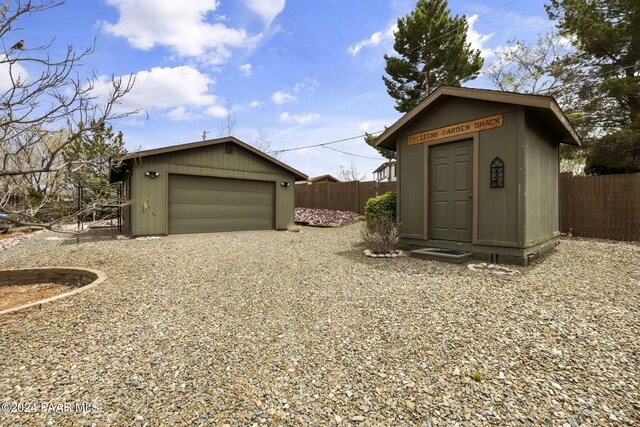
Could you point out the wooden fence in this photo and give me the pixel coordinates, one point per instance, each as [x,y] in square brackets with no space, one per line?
[606,206]
[340,196]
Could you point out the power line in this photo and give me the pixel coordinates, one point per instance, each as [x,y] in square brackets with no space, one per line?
[454,29]
[380,131]
[325,143]
[350,154]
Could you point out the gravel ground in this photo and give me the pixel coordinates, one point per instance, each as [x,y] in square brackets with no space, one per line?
[275,328]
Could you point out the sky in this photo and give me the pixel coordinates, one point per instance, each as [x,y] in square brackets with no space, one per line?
[301,72]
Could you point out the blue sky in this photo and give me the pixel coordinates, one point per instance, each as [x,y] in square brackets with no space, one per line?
[303,71]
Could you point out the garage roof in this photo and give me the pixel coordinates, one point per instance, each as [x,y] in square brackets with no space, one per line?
[544,107]
[117,174]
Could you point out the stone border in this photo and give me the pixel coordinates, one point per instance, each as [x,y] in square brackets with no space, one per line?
[89,277]
[395,254]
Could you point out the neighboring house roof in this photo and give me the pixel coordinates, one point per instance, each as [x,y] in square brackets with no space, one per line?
[115,174]
[545,107]
[327,177]
[384,165]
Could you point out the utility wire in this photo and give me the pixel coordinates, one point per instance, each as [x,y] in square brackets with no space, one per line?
[456,29]
[350,154]
[323,144]
[377,132]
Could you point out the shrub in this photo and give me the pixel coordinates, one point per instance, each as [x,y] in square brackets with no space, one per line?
[381,206]
[381,235]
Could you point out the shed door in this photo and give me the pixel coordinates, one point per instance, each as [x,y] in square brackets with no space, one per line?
[200,204]
[450,186]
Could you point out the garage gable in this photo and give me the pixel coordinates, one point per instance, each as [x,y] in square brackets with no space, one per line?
[210,153]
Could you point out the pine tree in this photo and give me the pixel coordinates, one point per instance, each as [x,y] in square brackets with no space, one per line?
[606,35]
[370,139]
[432,51]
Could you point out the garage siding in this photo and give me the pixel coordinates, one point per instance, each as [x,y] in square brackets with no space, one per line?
[150,197]
[200,204]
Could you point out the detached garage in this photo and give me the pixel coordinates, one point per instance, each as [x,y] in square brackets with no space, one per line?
[204,187]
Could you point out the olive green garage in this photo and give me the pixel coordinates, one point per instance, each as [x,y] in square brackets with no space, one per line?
[202,187]
[478,172]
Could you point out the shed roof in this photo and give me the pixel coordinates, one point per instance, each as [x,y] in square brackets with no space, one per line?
[544,107]
[115,174]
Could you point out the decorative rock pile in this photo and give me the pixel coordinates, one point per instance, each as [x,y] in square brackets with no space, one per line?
[369,253]
[323,217]
[492,268]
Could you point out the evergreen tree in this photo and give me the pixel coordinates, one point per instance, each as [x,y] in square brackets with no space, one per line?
[384,152]
[432,51]
[606,34]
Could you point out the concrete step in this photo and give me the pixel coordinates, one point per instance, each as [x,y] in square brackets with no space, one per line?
[440,254]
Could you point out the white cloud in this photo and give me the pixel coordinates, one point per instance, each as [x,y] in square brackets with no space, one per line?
[180,114]
[298,118]
[216,111]
[376,39]
[7,72]
[246,69]
[267,9]
[478,40]
[163,88]
[180,26]
[309,84]
[255,104]
[281,97]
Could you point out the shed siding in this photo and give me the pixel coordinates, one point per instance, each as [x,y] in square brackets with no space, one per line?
[205,161]
[542,215]
[498,212]
[411,197]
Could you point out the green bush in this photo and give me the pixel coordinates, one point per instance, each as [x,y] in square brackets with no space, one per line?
[381,206]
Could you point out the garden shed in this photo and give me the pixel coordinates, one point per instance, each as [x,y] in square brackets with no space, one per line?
[208,186]
[478,173]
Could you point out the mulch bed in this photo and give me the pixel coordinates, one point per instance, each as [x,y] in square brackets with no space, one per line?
[16,295]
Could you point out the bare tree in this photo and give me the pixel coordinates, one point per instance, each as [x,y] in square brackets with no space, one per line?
[47,114]
[351,173]
[263,143]
[227,124]
[529,68]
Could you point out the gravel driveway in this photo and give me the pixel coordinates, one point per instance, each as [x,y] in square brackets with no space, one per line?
[293,329]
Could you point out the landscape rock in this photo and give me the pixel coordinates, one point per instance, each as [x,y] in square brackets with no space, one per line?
[264,328]
[323,217]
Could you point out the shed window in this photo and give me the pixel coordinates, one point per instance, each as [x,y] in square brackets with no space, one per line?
[497,173]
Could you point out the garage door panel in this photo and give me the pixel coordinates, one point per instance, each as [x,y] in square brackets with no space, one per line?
[196,211]
[219,197]
[220,224]
[192,182]
[200,204]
